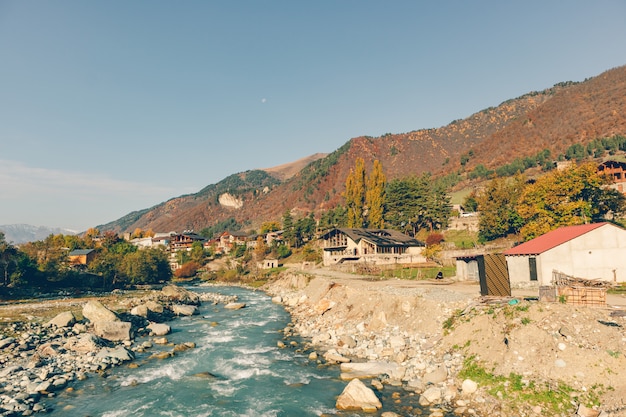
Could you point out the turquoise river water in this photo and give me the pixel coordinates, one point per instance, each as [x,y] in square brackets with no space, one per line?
[251,375]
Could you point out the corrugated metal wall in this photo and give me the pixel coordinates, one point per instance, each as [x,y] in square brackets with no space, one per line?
[494,275]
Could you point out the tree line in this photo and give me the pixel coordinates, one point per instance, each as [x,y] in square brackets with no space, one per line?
[406,204]
[575,195]
[45,263]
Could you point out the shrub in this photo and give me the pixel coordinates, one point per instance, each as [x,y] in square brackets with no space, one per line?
[434,239]
[187,270]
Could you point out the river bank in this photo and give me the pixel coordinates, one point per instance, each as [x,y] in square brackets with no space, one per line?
[543,358]
[403,339]
[47,345]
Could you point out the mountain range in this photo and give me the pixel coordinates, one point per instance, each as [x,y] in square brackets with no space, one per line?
[22,233]
[554,118]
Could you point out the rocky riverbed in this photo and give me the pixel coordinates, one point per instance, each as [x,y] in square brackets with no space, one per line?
[38,359]
[400,336]
[546,359]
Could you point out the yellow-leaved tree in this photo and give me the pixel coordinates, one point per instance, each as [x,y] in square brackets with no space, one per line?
[355,194]
[375,196]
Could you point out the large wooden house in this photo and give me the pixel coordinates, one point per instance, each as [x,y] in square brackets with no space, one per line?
[82,256]
[378,246]
[617,171]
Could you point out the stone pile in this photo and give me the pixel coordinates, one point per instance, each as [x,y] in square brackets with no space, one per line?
[367,347]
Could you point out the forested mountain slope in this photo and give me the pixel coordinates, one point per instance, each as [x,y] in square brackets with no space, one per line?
[552,119]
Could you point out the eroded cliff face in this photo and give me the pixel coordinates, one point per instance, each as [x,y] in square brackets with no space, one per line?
[230,201]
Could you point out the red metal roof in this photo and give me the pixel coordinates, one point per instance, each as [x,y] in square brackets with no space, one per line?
[553,239]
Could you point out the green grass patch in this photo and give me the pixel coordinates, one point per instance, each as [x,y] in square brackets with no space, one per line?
[458,197]
[462,239]
[553,397]
[620,289]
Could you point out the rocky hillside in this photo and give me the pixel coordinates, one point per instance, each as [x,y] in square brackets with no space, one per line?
[553,119]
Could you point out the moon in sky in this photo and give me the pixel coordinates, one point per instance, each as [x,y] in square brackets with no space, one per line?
[263,100]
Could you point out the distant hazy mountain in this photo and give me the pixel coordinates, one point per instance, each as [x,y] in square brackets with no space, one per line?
[22,233]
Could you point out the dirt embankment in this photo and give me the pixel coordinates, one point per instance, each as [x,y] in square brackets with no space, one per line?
[548,344]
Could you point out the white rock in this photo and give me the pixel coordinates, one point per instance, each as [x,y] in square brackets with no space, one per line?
[431,396]
[159,329]
[357,396]
[469,387]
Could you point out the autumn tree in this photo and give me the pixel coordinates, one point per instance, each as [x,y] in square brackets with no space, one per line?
[271,226]
[197,253]
[261,249]
[375,196]
[355,194]
[575,195]
[497,204]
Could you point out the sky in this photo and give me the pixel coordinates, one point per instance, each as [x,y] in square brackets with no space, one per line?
[107,107]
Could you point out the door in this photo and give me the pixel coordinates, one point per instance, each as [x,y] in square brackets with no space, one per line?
[532,267]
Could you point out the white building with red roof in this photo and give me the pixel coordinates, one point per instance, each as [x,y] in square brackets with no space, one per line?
[589,251]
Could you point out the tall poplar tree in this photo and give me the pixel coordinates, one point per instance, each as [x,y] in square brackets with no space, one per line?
[355,194]
[375,196]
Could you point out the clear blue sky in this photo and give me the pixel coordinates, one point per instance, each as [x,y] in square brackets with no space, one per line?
[107,107]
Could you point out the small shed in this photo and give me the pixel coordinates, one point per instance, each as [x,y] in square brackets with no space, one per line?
[268,264]
[590,251]
[489,269]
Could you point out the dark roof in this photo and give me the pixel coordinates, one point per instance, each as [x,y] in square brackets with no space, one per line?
[379,237]
[553,239]
[78,252]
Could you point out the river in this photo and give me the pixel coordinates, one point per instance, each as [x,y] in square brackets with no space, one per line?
[236,369]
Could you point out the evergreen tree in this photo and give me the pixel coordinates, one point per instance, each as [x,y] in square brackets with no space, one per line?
[497,206]
[288,228]
[414,203]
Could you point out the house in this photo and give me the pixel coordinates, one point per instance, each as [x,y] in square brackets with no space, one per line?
[588,251]
[228,240]
[183,241]
[617,171]
[82,256]
[379,246]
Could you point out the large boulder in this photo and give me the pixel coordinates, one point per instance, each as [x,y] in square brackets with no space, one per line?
[431,396]
[65,319]
[357,396]
[159,329]
[234,306]
[363,370]
[84,343]
[154,307]
[437,376]
[120,353]
[94,311]
[184,310]
[115,331]
[180,295]
[140,310]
